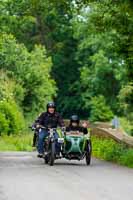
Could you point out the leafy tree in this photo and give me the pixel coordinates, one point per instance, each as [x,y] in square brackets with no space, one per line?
[88,53]
[104,50]
[31,72]
[126,100]
[99,110]
[49,23]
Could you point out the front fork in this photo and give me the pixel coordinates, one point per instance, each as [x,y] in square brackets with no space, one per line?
[48,142]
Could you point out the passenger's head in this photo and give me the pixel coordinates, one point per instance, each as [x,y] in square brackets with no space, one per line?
[74,120]
[51,107]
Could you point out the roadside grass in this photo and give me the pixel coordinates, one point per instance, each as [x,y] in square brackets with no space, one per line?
[16,142]
[108,149]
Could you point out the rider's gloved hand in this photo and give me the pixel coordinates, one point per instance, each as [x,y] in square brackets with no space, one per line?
[37,126]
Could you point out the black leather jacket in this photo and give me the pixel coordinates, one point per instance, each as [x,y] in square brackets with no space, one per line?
[49,120]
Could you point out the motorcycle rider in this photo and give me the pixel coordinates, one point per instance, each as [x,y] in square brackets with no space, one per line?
[75,125]
[49,119]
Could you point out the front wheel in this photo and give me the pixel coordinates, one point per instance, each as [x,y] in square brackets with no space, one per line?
[88,153]
[52,154]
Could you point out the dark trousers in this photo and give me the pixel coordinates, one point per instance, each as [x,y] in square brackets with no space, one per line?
[42,135]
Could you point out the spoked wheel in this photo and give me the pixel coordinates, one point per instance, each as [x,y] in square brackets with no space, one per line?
[52,154]
[88,153]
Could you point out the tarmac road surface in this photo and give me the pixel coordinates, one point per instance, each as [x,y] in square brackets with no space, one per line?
[23,176]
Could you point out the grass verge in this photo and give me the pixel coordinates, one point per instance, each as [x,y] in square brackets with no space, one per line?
[108,149]
[16,142]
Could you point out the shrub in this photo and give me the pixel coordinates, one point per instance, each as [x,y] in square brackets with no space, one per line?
[127,158]
[4,124]
[10,90]
[12,121]
[99,110]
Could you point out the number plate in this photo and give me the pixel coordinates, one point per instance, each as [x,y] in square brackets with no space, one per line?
[61,140]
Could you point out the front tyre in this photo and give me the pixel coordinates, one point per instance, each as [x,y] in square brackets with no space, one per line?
[52,154]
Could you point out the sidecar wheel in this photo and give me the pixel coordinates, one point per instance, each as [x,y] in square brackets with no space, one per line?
[88,158]
[88,153]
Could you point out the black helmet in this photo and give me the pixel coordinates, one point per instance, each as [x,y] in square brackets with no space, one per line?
[74,118]
[51,105]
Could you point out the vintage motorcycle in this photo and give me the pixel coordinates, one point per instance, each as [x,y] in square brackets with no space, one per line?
[51,144]
[74,145]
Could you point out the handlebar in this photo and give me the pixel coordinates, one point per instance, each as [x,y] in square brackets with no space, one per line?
[32,128]
[37,126]
[43,127]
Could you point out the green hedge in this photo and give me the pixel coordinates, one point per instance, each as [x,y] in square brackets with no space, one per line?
[108,149]
[11,118]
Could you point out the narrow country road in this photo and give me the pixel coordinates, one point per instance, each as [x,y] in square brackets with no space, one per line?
[25,177]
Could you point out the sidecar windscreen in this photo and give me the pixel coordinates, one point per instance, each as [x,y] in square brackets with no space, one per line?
[74,133]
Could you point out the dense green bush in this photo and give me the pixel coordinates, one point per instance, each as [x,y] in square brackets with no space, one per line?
[99,110]
[10,89]
[11,118]
[4,125]
[127,158]
[127,125]
[108,149]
